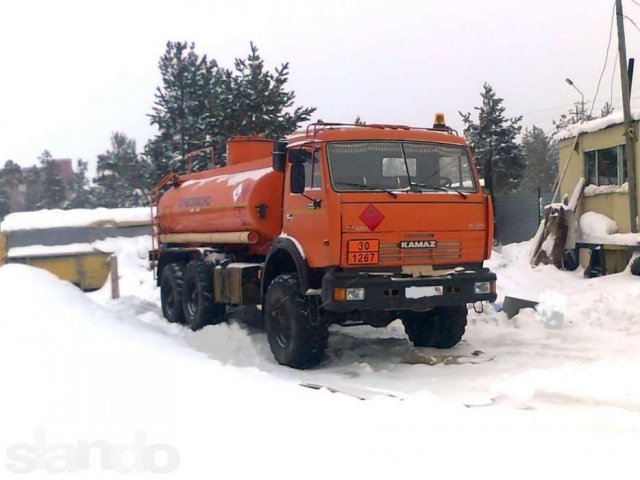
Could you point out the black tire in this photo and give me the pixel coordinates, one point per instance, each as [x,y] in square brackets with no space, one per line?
[296,332]
[171,283]
[197,297]
[635,266]
[570,260]
[442,327]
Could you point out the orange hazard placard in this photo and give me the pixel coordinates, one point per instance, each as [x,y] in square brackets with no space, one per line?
[362,258]
[362,252]
[363,246]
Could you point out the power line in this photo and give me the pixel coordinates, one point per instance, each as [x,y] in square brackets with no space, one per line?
[637,3]
[613,74]
[632,22]
[606,59]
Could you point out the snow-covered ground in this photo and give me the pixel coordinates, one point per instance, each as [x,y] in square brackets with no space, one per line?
[515,399]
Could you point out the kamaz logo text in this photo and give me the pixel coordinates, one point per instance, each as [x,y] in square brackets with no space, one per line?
[419,244]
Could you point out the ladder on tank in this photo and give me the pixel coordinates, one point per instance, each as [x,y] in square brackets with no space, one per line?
[168,180]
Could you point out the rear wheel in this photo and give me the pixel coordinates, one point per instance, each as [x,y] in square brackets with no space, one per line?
[171,283]
[197,296]
[297,335]
[442,327]
[635,266]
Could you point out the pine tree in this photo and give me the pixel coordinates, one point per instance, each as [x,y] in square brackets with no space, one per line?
[200,104]
[5,207]
[493,140]
[180,110]
[121,175]
[260,101]
[54,190]
[82,192]
[541,157]
[359,121]
[33,184]
[10,181]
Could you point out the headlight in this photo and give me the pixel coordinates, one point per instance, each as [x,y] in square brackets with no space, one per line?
[482,288]
[342,294]
[355,294]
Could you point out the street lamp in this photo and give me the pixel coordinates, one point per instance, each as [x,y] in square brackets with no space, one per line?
[568,80]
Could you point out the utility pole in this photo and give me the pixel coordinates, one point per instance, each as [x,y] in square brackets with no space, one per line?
[629,133]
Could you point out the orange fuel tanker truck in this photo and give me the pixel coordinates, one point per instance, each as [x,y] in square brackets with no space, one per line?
[341,224]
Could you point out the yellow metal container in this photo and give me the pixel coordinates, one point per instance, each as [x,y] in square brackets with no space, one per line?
[89,271]
[3,248]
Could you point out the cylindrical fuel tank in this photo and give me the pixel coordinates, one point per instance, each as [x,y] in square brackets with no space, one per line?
[244,197]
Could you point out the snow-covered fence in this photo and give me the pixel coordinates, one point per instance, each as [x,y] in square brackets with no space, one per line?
[518,215]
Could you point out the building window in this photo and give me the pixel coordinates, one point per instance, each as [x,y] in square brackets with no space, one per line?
[607,166]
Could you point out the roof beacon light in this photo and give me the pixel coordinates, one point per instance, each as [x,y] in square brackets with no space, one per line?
[439,122]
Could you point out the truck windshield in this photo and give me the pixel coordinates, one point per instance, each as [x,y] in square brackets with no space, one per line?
[393,166]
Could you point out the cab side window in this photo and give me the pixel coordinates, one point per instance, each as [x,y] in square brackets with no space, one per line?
[313,174]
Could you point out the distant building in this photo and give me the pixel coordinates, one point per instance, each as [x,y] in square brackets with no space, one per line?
[18,193]
[596,150]
[65,169]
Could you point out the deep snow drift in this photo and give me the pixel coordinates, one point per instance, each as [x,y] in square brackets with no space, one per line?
[532,401]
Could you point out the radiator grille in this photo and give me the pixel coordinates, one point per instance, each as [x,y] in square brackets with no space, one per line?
[391,252]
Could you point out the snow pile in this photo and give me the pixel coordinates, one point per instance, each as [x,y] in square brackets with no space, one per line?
[593,190]
[76,218]
[136,277]
[595,227]
[594,125]
[551,308]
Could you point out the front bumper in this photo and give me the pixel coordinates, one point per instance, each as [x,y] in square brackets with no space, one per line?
[385,292]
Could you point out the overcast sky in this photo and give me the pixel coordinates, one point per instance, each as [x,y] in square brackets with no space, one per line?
[74,71]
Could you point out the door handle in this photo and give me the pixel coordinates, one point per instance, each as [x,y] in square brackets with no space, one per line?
[289,216]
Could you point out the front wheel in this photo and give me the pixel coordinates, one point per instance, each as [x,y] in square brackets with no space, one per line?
[442,327]
[297,335]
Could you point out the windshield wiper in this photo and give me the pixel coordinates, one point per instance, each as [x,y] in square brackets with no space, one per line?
[368,187]
[440,188]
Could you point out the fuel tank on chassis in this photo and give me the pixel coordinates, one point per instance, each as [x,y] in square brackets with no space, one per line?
[244,197]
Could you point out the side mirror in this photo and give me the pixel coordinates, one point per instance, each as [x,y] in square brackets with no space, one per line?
[299,155]
[297,178]
[279,156]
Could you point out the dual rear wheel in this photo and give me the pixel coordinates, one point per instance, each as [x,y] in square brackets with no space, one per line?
[186,294]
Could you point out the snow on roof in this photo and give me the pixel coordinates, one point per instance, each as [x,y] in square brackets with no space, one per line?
[75,218]
[594,125]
